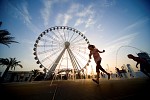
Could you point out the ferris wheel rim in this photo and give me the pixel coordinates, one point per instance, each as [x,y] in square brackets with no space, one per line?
[66,43]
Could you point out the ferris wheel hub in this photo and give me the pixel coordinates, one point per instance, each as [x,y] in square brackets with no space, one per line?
[67,44]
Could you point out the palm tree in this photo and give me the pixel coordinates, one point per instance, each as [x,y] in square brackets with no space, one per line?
[5,37]
[36,72]
[10,63]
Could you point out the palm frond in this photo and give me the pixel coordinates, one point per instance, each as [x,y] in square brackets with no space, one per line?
[12,62]
[5,38]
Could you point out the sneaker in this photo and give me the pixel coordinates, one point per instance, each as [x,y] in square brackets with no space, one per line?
[95,81]
[108,76]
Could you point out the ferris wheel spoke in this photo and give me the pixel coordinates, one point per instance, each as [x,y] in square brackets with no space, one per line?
[77,41]
[78,44]
[81,51]
[64,34]
[83,57]
[79,65]
[68,35]
[79,48]
[58,36]
[71,36]
[61,35]
[77,60]
[75,38]
[54,39]
[47,45]
[80,62]
[55,34]
[73,59]
[49,41]
[56,62]
[46,51]
[54,53]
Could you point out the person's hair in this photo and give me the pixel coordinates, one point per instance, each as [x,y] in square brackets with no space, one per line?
[93,46]
[130,56]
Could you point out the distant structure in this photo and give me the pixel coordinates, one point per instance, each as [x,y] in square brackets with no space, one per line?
[130,71]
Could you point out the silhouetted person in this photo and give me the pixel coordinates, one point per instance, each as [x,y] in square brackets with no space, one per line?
[144,65]
[118,72]
[95,52]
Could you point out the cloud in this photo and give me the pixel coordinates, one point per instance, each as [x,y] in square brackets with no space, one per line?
[100,28]
[77,13]
[84,32]
[22,11]
[85,12]
[64,18]
[78,22]
[121,41]
[90,22]
[108,3]
[74,8]
[67,17]
[134,25]
[59,19]
[124,37]
[85,16]
[45,12]
[25,12]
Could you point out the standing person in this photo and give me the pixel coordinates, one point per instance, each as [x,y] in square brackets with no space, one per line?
[95,52]
[144,65]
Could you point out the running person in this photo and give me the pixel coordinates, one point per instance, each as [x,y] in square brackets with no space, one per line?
[144,65]
[95,52]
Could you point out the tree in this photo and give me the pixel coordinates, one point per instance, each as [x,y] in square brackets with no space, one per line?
[5,37]
[36,72]
[9,63]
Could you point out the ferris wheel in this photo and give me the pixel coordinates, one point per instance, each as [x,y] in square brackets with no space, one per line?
[61,47]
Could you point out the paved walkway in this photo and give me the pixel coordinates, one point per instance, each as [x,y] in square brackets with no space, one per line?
[84,89]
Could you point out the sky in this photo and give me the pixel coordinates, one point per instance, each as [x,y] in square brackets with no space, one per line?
[119,27]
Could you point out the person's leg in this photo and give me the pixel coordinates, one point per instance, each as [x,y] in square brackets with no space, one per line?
[97,77]
[105,72]
[101,68]
[97,70]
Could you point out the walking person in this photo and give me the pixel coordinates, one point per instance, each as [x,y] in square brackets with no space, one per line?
[95,52]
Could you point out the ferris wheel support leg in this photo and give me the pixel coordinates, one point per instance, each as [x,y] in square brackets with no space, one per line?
[52,69]
[74,63]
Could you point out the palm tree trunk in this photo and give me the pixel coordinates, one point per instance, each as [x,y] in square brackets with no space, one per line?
[5,73]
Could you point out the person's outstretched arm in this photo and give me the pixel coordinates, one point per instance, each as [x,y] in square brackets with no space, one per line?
[138,60]
[137,64]
[101,51]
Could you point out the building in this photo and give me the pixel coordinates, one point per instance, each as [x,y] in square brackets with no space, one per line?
[18,76]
